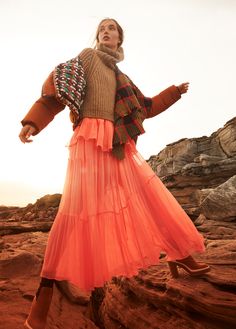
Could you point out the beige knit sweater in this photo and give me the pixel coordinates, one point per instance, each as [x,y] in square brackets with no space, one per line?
[101,82]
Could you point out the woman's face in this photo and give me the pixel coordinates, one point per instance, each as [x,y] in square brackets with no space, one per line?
[108,34]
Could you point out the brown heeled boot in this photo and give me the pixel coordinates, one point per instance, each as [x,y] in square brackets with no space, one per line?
[189,265]
[40,306]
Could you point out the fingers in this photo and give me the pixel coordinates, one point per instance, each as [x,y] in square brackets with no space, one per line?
[25,134]
[184,87]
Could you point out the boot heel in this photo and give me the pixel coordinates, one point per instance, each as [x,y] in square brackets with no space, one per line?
[173,269]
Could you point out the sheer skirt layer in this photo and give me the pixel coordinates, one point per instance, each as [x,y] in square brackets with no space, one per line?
[115,216]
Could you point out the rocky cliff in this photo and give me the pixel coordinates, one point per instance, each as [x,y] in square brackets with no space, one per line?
[201,174]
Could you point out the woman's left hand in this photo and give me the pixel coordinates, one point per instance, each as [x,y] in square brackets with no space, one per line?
[183,88]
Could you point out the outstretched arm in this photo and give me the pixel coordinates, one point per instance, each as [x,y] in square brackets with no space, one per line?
[42,112]
[166,98]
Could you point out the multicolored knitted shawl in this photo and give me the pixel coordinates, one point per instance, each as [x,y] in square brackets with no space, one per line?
[70,83]
[131,106]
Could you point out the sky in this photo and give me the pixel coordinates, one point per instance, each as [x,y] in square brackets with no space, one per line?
[166,42]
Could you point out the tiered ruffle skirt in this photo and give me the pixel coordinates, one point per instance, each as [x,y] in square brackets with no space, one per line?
[115,216]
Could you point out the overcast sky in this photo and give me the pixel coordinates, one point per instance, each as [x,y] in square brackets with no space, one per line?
[166,42]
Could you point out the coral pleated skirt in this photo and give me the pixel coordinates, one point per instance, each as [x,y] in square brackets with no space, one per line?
[115,216]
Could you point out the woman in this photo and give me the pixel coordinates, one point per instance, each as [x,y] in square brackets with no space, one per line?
[115,215]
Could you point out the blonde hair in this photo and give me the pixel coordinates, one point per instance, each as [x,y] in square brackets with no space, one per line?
[119,28]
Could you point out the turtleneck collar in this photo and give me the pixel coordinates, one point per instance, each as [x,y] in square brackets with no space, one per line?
[109,56]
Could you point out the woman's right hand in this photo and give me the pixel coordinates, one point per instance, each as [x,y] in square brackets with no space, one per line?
[26,132]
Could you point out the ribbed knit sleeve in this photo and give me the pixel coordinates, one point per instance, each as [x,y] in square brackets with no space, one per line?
[86,56]
[162,101]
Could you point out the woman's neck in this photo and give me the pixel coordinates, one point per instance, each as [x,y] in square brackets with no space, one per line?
[110,57]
